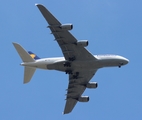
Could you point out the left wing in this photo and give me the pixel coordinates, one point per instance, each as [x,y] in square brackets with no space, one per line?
[76,87]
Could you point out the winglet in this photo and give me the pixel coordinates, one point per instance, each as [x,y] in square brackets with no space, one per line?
[47,15]
[36,4]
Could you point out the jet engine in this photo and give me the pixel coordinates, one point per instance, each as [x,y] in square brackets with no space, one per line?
[83,99]
[66,26]
[83,43]
[92,85]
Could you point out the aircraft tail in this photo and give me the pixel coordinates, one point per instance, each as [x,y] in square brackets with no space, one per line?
[34,56]
[26,57]
[28,73]
[23,53]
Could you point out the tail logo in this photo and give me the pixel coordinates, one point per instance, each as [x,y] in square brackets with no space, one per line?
[33,55]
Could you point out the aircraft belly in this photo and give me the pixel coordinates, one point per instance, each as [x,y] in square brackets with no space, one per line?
[76,65]
[42,67]
[108,63]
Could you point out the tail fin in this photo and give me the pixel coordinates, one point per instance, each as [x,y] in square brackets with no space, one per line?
[26,57]
[23,53]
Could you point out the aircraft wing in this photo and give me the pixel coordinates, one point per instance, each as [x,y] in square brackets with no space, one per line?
[76,87]
[69,49]
[64,38]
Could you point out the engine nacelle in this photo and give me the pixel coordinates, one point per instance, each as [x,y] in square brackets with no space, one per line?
[83,43]
[92,85]
[83,99]
[66,26]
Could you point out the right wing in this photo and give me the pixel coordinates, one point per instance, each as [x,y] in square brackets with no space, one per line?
[64,38]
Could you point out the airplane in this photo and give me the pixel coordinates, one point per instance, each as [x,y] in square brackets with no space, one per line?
[77,62]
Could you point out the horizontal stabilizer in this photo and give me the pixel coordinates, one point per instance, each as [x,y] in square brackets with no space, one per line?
[23,53]
[28,73]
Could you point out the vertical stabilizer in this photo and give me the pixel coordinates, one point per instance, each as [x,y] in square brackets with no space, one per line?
[28,73]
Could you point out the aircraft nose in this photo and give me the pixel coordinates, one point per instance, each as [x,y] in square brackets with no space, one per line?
[126,61]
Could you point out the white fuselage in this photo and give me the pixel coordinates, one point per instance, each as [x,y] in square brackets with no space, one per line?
[57,63]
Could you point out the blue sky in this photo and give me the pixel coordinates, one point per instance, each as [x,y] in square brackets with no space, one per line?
[112,27]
